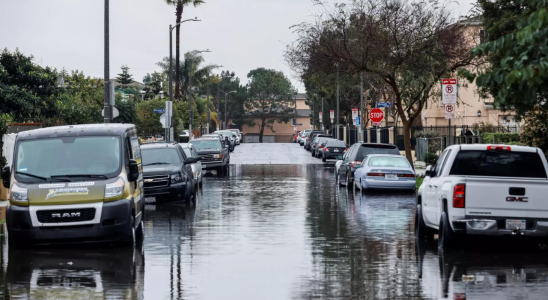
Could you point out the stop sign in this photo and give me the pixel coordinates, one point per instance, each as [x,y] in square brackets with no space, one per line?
[376,115]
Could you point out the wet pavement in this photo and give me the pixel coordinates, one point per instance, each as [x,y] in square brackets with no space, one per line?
[278,232]
[272,154]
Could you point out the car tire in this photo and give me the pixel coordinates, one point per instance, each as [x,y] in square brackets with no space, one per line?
[312,153]
[130,238]
[422,231]
[201,183]
[188,195]
[140,232]
[347,181]
[324,159]
[446,236]
[339,180]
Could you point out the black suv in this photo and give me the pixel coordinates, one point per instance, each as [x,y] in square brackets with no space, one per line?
[167,173]
[214,154]
[353,158]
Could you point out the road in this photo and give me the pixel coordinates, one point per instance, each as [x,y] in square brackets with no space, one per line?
[278,230]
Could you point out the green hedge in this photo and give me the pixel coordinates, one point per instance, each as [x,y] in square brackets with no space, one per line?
[501,138]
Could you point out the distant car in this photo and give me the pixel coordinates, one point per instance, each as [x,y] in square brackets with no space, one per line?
[317,144]
[238,133]
[214,155]
[310,138]
[190,151]
[355,156]
[296,135]
[384,171]
[213,135]
[185,136]
[302,137]
[236,137]
[332,149]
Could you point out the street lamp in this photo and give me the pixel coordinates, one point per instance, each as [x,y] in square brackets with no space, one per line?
[225,118]
[191,112]
[171,61]
[208,112]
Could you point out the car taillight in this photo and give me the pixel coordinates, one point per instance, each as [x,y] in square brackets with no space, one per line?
[503,148]
[355,164]
[321,147]
[375,174]
[458,196]
[325,149]
[345,149]
[406,175]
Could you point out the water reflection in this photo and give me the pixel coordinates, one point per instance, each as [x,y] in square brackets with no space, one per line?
[76,273]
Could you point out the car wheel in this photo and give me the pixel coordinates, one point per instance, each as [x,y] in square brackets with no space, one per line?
[324,159]
[201,184]
[339,180]
[188,194]
[312,153]
[446,236]
[140,232]
[347,180]
[421,230]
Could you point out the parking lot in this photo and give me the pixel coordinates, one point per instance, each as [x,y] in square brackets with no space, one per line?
[279,230]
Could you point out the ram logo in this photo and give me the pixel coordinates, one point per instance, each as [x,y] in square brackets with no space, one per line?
[517,199]
[66,215]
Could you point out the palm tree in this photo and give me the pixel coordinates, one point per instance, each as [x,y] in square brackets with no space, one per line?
[179,7]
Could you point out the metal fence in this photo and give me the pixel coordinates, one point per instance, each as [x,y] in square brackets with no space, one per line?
[373,134]
[385,135]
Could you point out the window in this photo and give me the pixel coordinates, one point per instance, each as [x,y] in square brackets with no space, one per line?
[160,156]
[498,164]
[365,150]
[187,151]
[206,144]
[387,161]
[336,143]
[444,161]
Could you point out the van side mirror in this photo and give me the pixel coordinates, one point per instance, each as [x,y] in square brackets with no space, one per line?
[6,174]
[133,170]
[428,172]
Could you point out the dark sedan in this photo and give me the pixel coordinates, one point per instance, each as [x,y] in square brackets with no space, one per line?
[333,149]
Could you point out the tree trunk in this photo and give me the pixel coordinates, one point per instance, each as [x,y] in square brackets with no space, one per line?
[179,14]
[261,132]
[407,141]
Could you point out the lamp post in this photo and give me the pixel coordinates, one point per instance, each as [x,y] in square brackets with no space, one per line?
[208,112]
[225,118]
[191,112]
[106,100]
[171,61]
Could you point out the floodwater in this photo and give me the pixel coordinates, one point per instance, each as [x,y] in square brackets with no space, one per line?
[278,232]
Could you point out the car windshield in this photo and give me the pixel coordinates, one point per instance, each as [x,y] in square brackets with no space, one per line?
[385,161]
[93,155]
[206,144]
[187,152]
[336,143]
[225,134]
[376,149]
[498,164]
[160,156]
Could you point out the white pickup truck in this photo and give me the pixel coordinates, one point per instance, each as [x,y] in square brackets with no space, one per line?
[483,190]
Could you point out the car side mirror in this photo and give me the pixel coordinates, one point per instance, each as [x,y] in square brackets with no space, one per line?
[6,174]
[191,160]
[133,170]
[428,172]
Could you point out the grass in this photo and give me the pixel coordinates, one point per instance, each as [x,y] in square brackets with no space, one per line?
[419,182]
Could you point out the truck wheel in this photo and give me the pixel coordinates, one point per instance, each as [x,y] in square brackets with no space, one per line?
[421,230]
[446,236]
[130,239]
[188,194]
[140,232]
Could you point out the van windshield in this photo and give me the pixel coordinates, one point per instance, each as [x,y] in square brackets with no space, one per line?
[65,156]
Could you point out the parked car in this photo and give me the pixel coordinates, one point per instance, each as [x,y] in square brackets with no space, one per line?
[214,155]
[239,134]
[318,143]
[296,135]
[185,136]
[301,138]
[236,138]
[190,151]
[482,189]
[75,182]
[231,140]
[310,138]
[213,135]
[333,149]
[355,156]
[167,173]
[385,171]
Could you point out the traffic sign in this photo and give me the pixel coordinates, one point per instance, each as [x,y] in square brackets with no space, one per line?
[384,104]
[449,91]
[376,115]
[449,111]
[332,115]
[354,115]
[159,110]
[321,119]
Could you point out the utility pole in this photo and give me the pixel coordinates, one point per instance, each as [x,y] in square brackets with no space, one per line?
[295,112]
[191,113]
[337,113]
[107,101]
[219,105]
[208,112]
[170,71]
[323,126]
[313,113]
[361,107]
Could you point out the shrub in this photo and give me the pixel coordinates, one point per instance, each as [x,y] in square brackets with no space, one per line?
[431,158]
[535,131]
[501,138]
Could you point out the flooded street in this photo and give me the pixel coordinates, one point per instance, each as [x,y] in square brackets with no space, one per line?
[277,232]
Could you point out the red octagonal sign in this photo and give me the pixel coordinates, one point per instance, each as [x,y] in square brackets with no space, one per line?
[376,115]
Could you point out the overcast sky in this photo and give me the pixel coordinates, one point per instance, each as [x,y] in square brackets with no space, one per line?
[242,34]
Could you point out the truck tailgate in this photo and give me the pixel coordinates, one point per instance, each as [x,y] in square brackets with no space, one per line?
[506,197]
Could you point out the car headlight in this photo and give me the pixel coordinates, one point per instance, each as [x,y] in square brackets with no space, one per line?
[177,178]
[19,193]
[114,189]
[217,156]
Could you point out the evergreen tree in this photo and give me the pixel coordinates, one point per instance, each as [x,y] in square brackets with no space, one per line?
[124,78]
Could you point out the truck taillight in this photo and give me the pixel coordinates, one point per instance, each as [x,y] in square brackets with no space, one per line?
[458,196]
[325,149]
[502,148]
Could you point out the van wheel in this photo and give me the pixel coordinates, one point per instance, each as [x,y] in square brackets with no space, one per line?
[446,236]
[421,230]
[130,239]
[140,232]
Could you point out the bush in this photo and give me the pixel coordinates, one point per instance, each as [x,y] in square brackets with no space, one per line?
[431,158]
[501,138]
[3,130]
[535,131]
[434,142]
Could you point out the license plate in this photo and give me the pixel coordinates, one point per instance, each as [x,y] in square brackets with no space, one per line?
[150,199]
[391,177]
[336,150]
[515,224]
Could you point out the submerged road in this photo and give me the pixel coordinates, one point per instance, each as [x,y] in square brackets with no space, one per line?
[277,231]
